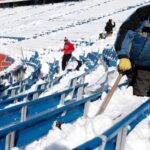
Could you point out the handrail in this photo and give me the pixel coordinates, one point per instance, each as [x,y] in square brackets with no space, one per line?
[92,144]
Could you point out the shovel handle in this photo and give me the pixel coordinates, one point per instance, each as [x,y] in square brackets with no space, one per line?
[109,95]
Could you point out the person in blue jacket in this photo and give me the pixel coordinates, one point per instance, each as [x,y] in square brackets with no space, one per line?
[133,48]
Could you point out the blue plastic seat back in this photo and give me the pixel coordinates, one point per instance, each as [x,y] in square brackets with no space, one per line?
[110,56]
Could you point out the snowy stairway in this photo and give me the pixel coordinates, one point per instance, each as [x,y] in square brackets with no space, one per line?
[114,138]
[28,109]
[22,133]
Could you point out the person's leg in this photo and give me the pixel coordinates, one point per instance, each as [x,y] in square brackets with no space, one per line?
[141,86]
[79,64]
[65,60]
[68,57]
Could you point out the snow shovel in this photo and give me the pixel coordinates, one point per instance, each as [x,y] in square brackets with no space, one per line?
[109,95]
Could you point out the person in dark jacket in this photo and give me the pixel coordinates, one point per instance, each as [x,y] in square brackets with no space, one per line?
[133,48]
[68,49]
[109,27]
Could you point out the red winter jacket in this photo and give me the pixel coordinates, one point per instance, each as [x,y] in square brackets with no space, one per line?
[68,48]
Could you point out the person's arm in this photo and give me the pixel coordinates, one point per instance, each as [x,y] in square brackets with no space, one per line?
[64,48]
[125,47]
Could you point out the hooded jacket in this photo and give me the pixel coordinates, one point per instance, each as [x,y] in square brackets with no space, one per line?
[130,43]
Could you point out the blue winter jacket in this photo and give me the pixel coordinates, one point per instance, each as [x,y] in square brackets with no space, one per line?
[137,48]
[131,44]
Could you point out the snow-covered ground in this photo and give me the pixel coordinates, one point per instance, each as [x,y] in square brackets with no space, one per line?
[43,28]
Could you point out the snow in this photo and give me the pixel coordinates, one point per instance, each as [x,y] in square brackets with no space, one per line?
[42,28]
[140,136]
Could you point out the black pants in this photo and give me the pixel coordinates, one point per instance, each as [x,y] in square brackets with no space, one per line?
[65,60]
[79,64]
[140,80]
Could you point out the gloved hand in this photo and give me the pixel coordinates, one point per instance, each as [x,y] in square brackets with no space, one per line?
[124,64]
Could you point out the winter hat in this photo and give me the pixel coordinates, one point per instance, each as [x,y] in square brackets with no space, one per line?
[110,20]
[65,39]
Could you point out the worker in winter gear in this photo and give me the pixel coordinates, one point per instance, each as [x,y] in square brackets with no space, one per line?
[68,49]
[133,48]
[109,27]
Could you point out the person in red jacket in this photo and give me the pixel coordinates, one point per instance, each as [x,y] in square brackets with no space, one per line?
[68,49]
